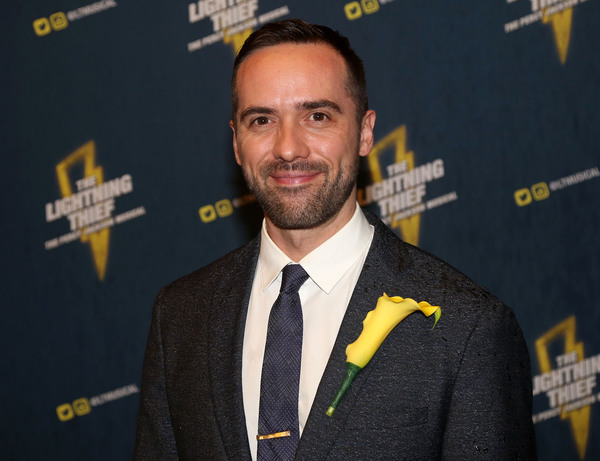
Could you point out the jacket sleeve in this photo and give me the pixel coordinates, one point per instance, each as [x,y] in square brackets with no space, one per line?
[490,409]
[155,438]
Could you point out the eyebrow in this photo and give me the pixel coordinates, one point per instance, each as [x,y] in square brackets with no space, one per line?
[305,105]
[255,110]
[319,104]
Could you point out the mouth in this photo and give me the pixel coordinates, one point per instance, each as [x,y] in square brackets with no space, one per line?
[294,178]
[296,174]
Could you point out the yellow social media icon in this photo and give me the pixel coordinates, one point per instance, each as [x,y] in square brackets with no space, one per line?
[540,191]
[370,6]
[207,213]
[523,197]
[41,27]
[59,21]
[65,412]
[353,11]
[224,208]
[82,406]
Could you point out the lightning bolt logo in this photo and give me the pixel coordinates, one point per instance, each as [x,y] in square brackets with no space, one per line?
[98,241]
[561,27]
[580,419]
[408,227]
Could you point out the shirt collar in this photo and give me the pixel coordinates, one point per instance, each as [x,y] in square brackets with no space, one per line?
[327,263]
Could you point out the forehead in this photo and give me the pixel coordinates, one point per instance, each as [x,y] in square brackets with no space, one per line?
[286,70]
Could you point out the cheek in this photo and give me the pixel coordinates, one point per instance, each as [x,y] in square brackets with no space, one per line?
[325,144]
[338,150]
[252,153]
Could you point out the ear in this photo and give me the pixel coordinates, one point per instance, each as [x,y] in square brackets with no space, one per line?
[235,148]
[366,133]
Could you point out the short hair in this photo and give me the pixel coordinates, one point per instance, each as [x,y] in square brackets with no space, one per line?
[296,31]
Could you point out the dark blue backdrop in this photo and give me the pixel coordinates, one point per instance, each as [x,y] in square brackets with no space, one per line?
[504,94]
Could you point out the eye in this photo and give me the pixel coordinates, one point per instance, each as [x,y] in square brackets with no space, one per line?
[318,117]
[260,121]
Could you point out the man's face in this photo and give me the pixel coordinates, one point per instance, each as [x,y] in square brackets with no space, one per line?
[296,136]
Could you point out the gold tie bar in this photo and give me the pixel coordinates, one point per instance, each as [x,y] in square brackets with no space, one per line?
[273,436]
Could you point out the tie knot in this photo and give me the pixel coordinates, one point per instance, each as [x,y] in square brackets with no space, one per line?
[292,279]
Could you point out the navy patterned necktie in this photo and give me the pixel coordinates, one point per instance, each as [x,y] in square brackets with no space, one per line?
[278,430]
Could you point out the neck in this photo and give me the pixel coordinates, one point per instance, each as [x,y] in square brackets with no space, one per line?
[297,243]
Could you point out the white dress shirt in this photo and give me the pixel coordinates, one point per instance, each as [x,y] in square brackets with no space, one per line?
[333,269]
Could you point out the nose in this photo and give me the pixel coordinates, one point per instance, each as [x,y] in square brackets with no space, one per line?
[290,143]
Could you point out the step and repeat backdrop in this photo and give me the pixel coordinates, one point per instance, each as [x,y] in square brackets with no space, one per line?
[119,177]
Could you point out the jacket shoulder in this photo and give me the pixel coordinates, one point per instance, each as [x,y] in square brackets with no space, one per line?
[428,277]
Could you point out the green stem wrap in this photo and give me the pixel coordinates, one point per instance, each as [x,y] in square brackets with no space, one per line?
[351,371]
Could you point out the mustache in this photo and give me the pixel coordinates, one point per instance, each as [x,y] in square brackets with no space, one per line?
[281,166]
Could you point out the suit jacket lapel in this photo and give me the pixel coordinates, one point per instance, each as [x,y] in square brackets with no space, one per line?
[380,274]
[226,336]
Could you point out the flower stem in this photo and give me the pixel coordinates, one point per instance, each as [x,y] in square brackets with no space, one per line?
[351,371]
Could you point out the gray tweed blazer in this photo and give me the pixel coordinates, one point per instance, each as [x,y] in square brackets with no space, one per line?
[461,391]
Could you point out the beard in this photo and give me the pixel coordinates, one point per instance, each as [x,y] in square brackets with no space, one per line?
[306,206]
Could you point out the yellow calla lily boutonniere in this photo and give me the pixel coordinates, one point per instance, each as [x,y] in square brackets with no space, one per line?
[378,323]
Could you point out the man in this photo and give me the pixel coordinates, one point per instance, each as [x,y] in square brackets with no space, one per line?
[460,391]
